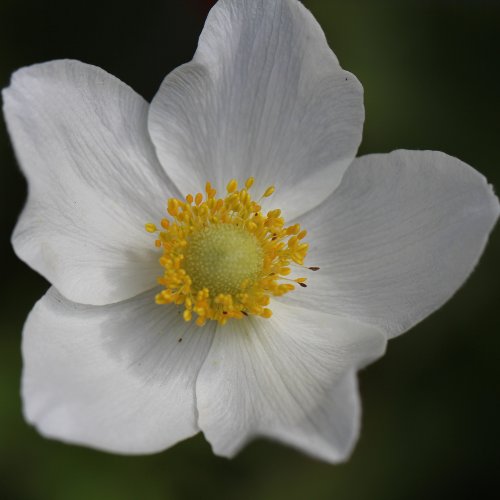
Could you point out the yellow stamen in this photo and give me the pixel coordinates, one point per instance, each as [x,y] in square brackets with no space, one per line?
[269,191]
[232,186]
[223,258]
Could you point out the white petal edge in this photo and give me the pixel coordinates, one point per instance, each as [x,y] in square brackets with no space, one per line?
[331,431]
[264,96]
[80,136]
[116,377]
[285,378]
[397,239]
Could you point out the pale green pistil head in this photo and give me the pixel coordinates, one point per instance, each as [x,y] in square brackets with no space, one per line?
[221,257]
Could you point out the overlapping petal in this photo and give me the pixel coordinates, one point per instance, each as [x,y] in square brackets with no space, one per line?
[112,377]
[289,378]
[80,136]
[398,238]
[264,96]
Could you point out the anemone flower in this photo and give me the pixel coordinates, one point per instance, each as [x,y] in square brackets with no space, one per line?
[175,309]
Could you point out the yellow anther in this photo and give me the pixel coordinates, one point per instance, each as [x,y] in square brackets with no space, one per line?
[173,207]
[150,228]
[187,315]
[189,198]
[264,300]
[198,199]
[268,192]
[165,223]
[249,182]
[244,196]
[232,186]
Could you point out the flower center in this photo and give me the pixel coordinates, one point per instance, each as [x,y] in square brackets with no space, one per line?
[223,258]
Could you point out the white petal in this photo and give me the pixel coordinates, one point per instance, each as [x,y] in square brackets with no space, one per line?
[81,138]
[397,239]
[331,430]
[278,377]
[264,96]
[112,377]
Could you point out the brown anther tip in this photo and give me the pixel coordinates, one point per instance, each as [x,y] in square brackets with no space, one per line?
[180,340]
[245,313]
[303,285]
[314,268]
[224,312]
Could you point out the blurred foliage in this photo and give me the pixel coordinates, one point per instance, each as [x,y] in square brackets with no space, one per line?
[430,70]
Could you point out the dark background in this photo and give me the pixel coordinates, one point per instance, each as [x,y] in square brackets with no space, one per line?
[431,407]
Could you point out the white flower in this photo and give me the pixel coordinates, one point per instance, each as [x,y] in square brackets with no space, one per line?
[264,97]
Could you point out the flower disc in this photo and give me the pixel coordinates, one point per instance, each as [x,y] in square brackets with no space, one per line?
[222,258]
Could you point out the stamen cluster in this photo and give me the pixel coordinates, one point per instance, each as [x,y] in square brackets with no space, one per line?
[223,226]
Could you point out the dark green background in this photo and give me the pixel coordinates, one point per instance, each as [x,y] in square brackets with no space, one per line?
[431,407]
